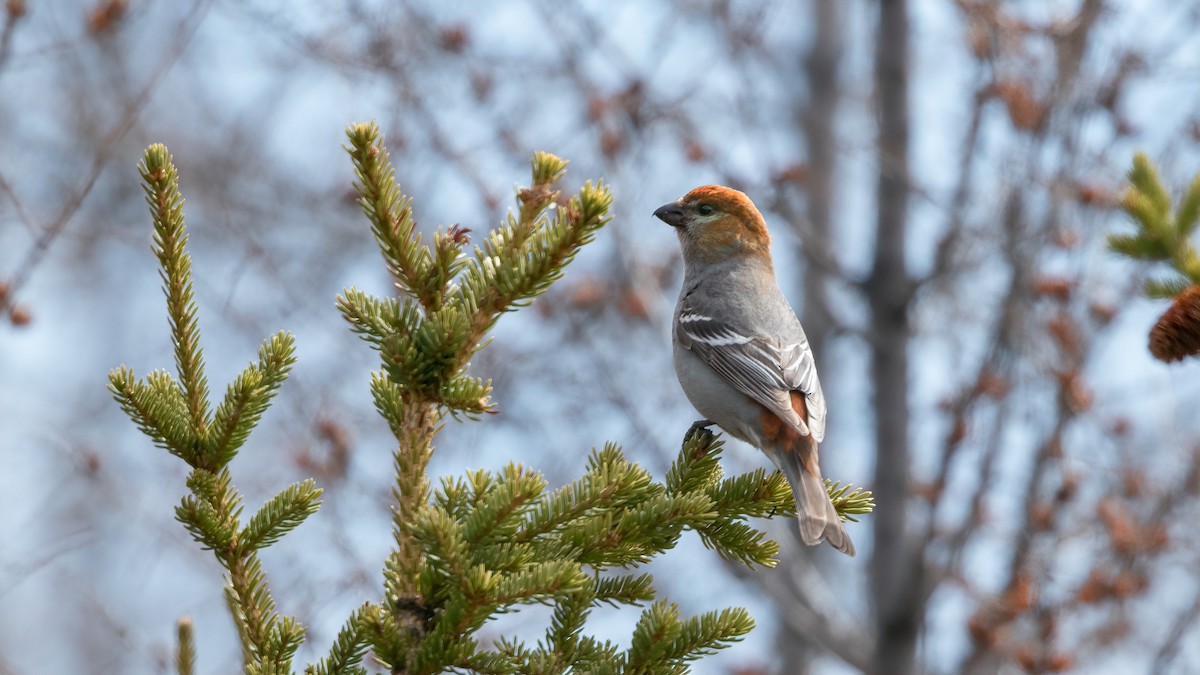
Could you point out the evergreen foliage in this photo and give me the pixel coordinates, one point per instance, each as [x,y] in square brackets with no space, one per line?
[178,416]
[478,545]
[185,655]
[1163,234]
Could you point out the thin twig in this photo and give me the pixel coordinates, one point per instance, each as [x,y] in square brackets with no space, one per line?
[50,232]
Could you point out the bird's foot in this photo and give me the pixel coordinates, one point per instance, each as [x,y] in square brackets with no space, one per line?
[699,427]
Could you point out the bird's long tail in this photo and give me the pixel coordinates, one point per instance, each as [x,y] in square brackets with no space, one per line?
[818,519]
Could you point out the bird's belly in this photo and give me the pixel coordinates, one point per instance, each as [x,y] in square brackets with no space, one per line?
[716,399]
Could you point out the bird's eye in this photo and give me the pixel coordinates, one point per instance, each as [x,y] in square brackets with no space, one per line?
[705,209]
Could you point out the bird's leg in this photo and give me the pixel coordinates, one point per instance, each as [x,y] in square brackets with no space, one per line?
[697,427]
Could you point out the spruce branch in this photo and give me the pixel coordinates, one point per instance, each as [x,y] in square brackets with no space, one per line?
[157,407]
[376,318]
[251,604]
[757,494]
[248,397]
[185,647]
[211,512]
[609,482]
[488,663]
[161,185]
[390,213]
[520,260]
[425,345]
[284,637]
[175,414]
[1164,235]
[494,516]
[205,523]
[535,583]
[698,465]
[467,397]
[283,513]
[663,643]
[481,544]
[849,501]
[492,541]
[348,649]
[566,625]
[632,589]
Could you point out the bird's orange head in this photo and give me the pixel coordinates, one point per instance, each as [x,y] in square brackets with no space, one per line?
[717,223]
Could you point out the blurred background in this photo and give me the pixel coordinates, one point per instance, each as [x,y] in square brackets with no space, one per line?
[939,177]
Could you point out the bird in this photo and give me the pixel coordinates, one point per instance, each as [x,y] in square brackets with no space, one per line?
[740,353]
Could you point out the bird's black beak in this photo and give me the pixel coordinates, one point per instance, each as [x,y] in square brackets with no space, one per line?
[671,214]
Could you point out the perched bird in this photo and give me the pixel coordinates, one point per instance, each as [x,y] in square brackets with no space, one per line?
[740,353]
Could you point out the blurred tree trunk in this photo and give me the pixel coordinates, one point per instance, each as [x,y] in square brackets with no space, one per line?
[817,120]
[889,289]
[815,115]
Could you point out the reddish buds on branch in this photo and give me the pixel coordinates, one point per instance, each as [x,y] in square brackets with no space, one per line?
[106,15]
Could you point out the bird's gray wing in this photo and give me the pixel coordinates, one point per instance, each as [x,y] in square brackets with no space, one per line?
[767,369]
